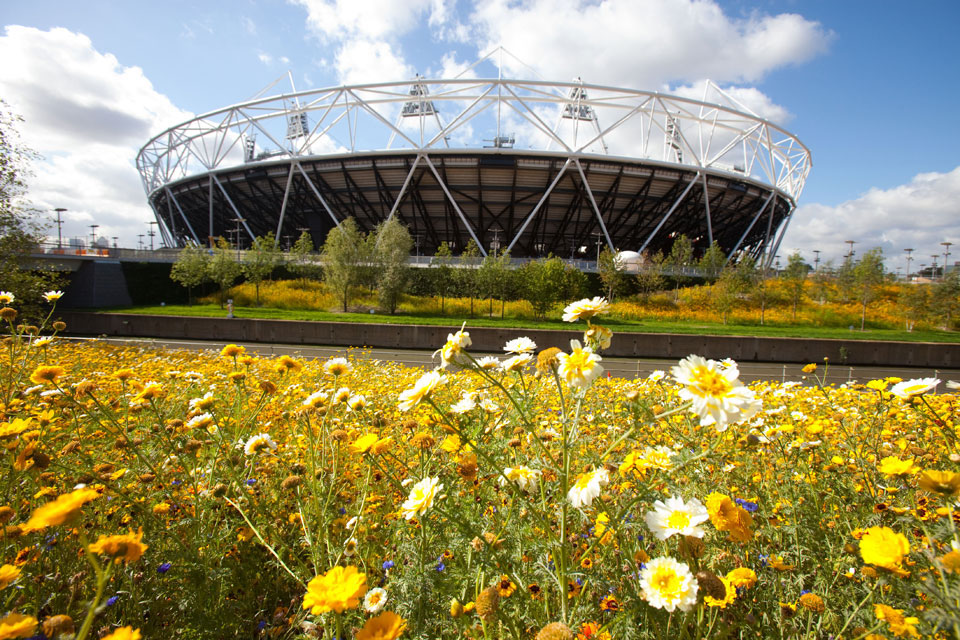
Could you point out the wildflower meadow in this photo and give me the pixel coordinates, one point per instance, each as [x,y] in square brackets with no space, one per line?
[171,494]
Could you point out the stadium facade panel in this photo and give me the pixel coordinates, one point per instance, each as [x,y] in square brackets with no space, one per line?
[662,166]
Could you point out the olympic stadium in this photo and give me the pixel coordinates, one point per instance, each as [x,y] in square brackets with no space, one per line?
[531,166]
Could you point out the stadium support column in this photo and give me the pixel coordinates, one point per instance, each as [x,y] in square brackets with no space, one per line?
[210,200]
[596,209]
[706,206]
[536,209]
[747,230]
[666,216]
[283,205]
[466,223]
[186,221]
[406,183]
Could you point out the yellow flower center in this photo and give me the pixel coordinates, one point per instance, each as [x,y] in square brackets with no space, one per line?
[667,583]
[678,520]
[711,383]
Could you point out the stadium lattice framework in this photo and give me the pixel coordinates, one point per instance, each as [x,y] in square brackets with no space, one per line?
[535,167]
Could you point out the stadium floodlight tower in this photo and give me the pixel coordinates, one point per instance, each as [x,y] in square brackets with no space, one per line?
[531,165]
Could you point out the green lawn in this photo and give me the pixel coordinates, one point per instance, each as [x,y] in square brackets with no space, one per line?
[615,324]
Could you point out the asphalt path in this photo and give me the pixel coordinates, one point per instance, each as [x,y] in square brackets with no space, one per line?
[614,367]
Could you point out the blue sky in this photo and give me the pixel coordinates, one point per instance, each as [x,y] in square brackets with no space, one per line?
[869,87]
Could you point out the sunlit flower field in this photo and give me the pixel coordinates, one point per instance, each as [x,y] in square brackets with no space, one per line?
[169,494]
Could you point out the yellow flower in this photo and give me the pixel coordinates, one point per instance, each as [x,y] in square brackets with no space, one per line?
[810,368]
[337,590]
[15,428]
[61,510]
[584,309]
[6,297]
[411,397]
[16,625]
[386,626]
[728,516]
[812,602]
[946,483]
[362,444]
[715,391]
[421,497]
[46,374]
[580,367]
[894,466]
[124,547]
[899,625]
[730,594]
[8,574]
[742,577]
[123,633]
[883,547]
[232,351]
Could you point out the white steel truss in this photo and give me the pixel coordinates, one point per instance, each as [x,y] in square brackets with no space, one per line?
[716,136]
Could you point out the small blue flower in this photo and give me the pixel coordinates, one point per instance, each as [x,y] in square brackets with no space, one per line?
[746,504]
[164,567]
[342,511]
[805,592]
[764,559]
[112,600]
[261,625]
[441,566]
[252,481]
[388,564]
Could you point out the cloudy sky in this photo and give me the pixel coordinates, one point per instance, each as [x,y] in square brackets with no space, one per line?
[869,86]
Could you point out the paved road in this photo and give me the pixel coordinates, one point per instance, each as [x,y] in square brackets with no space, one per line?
[616,367]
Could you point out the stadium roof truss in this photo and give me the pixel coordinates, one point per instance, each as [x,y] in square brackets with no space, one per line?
[630,168]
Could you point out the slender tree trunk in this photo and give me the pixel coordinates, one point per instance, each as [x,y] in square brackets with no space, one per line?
[863,314]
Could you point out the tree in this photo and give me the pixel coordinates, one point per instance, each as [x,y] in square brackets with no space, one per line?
[712,262]
[726,290]
[224,268]
[946,298]
[612,272]
[392,257]
[467,273]
[680,257]
[650,275]
[191,269]
[795,275]
[914,304]
[260,260]
[443,275]
[300,259]
[345,255]
[545,283]
[868,276]
[20,232]
[494,278]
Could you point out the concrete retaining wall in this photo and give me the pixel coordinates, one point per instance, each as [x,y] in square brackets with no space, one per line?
[629,345]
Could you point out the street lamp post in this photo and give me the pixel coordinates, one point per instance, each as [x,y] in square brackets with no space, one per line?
[237,231]
[946,256]
[93,235]
[140,241]
[933,274]
[850,252]
[909,259]
[816,260]
[59,211]
[151,233]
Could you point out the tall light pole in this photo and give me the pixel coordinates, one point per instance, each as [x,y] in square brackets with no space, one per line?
[909,259]
[59,211]
[598,235]
[933,274]
[93,235]
[946,256]
[115,238]
[140,242]
[237,231]
[850,252]
[816,260]
[151,233]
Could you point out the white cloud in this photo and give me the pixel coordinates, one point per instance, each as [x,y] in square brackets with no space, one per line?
[370,19]
[644,44]
[362,60]
[249,25]
[919,215]
[88,115]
